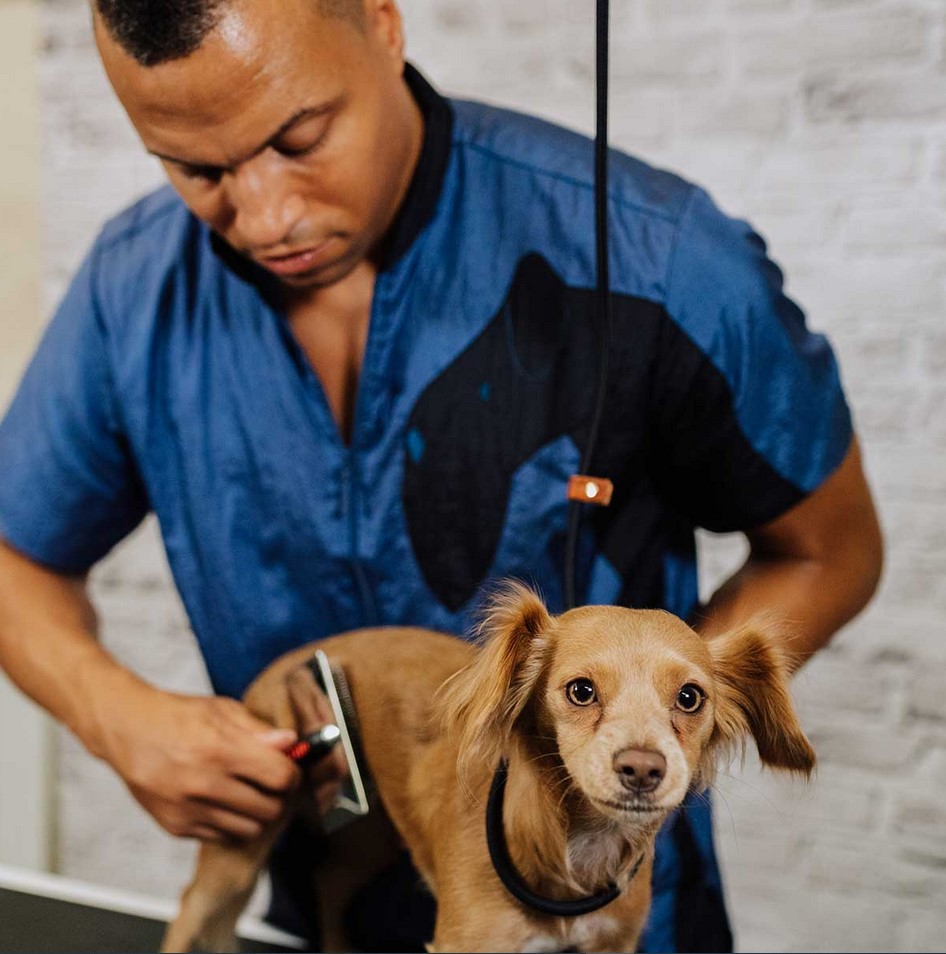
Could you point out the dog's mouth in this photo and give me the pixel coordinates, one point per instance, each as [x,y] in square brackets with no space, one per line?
[630,806]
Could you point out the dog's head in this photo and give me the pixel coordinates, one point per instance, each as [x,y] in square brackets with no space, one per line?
[634,704]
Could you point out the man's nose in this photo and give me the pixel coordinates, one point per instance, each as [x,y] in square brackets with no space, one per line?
[267,207]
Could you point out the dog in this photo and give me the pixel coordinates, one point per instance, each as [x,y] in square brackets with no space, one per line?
[577,734]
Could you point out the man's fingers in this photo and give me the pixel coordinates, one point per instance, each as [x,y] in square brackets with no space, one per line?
[206,833]
[230,824]
[267,769]
[246,799]
[279,739]
[243,721]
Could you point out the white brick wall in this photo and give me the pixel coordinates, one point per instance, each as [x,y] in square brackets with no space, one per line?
[824,122]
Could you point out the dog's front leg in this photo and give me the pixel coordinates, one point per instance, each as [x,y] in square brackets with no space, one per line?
[211,905]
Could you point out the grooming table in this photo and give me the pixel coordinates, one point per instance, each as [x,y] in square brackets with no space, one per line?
[43,912]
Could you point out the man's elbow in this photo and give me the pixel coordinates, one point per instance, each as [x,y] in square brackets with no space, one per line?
[859,562]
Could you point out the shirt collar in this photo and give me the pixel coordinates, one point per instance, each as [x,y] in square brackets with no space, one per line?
[422,196]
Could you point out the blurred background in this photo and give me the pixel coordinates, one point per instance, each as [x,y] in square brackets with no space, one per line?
[823,122]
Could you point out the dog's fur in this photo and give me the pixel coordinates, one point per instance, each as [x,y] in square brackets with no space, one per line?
[436,716]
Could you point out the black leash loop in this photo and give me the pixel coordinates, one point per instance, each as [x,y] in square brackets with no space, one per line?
[602,297]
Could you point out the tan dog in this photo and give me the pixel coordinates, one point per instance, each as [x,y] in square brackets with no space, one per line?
[606,717]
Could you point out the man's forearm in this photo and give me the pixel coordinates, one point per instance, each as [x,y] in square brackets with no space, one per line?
[814,568]
[807,600]
[49,649]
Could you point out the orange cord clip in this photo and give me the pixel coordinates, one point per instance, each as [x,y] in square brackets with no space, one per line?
[593,490]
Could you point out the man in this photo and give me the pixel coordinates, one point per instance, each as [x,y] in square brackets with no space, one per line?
[349,362]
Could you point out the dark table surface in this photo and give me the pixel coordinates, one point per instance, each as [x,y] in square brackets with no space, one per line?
[45,913]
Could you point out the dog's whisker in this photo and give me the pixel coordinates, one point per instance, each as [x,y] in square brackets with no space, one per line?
[732,818]
[754,788]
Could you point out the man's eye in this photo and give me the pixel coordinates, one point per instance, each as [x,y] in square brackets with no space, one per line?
[305,137]
[202,173]
[294,150]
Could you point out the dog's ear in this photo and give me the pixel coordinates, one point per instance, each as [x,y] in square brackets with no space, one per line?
[483,701]
[752,674]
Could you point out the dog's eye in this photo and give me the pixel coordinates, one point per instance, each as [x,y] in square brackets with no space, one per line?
[581,692]
[690,698]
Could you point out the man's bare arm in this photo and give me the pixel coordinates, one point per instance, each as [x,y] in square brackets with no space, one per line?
[203,767]
[815,567]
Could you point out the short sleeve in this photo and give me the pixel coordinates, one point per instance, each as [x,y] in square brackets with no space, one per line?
[69,490]
[748,411]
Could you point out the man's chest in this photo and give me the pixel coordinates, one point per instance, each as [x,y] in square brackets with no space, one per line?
[334,346]
[331,329]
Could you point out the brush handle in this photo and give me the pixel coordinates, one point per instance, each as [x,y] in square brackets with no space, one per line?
[315,746]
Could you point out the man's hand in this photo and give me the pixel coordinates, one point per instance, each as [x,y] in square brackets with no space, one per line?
[202,767]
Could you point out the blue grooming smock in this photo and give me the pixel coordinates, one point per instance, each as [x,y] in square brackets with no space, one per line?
[169,382]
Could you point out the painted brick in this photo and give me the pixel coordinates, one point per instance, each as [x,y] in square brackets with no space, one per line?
[763,801]
[843,99]
[916,582]
[725,113]
[926,699]
[829,685]
[687,10]
[940,162]
[842,166]
[808,918]
[893,230]
[882,409]
[837,864]
[864,746]
[456,16]
[876,300]
[761,7]
[842,40]
[677,60]
[932,420]
[934,353]
[920,823]
[917,474]
[786,223]
[912,527]
[922,930]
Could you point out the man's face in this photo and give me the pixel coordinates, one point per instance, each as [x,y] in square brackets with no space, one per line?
[292,135]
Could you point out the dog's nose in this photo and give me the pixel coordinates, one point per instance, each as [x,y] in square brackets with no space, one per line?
[640,770]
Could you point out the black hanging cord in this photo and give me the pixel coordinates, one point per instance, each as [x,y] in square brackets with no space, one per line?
[603,298]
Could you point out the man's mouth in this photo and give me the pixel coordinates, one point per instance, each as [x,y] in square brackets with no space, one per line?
[301,261]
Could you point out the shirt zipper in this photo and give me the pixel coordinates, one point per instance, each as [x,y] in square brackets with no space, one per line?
[351,500]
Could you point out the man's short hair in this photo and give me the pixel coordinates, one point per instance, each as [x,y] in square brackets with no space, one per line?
[155,31]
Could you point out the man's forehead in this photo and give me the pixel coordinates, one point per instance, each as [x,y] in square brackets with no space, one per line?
[246,80]
[251,43]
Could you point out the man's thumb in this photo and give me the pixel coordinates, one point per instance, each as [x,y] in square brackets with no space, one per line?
[277,738]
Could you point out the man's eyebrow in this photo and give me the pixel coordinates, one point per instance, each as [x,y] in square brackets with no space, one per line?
[309,112]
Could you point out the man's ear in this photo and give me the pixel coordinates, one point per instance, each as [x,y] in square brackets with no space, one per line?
[383,21]
[483,701]
[752,674]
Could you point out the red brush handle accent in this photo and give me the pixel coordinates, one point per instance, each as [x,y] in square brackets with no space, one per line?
[299,751]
